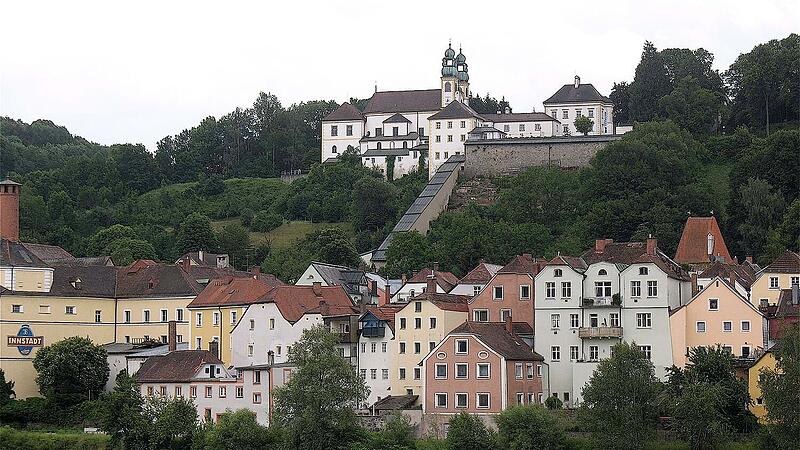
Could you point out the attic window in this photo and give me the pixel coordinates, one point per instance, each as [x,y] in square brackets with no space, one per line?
[642,270]
[76,283]
[602,272]
[150,284]
[557,273]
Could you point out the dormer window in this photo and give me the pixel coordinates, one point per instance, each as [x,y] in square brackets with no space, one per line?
[558,273]
[602,272]
[76,283]
[150,284]
[643,271]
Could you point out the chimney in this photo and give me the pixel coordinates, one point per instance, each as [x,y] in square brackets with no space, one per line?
[317,288]
[509,325]
[186,263]
[435,267]
[172,335]
[213,347]
[431,286]
[270,357]
[200,257]
[9,210]
[255,270]
[652,244]
[600,245]
[795,294]
[383,300]
[710,246]
[404,279]
[527,256]
[749,259]
[694,284]
[733,279]
[577,81]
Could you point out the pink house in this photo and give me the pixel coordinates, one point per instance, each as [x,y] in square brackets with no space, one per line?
[509,293]
[717,315]
[480,368]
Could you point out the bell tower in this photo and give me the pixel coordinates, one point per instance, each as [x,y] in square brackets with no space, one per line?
[9,210]
[449,79]
[462,75]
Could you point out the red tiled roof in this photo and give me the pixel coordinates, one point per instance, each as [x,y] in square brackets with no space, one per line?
[294,301]
[670,268]
[174,367]
[524,263]
[445,279]
[787,262]
[404,101]
[495,335]
[616,252]
[230,291]
[693,247]
[744,273]
[785,306]
[386,313]
[146,278]
[481,274]
[345,111]
[447,302]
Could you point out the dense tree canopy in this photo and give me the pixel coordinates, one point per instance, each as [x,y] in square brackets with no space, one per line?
[71,370]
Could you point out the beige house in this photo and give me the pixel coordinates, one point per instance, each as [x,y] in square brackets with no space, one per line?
[717,315]
[419,326]
[781,274]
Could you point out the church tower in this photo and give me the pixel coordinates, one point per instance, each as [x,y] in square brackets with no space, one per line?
[462,75]
[449,79]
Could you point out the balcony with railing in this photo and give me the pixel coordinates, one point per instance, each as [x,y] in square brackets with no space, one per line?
[373,332]
[613,301]
[599,332]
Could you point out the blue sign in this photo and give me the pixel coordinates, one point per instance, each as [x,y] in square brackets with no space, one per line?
[25,340]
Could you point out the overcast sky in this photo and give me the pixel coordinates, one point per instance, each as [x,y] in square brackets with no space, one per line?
[143,70]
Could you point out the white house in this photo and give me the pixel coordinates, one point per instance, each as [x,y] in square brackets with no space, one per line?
[576,100]
[341,129]
[445,282]
[377,351]
[474,281]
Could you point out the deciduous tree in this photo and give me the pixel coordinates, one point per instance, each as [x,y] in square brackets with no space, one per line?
[71,370]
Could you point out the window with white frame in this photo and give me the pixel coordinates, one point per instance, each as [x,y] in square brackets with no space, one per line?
[573,353]
[566,289]
[482,400]
[432,323]
[550,289]
[462,370]
[476,290]
[773,283]
[363,347]
[519,369]
[17,309]
[505,314]
[727,326]
[239,392]
[700,326]
[652,288]
[373,374]
[402,348]
[594,353]
[524,291]
[383,347]
[401,373]
[614,319]
[644,320]
[384,374]
[537,127]
[441,400]
[745,351]
[441,371]
[334,130]
[578,113]
[198,319]
[461,400]
[522,127]
[480,315]
[558,273]
[462,346]
[565,114]
[713,304]
[98,316]
[745,326]
[179,314]
[483,370]
[555,353]
[449,124]
[417,373]
[520,398]
[636,288]
[449,139]
[793,281]
[234,317]
[574,321]
[164,315]
[146,316]
[602,289]
[591,113]
[215,318]
[529,371]
[497,292]
[438,125]
[555,320]
[647,350]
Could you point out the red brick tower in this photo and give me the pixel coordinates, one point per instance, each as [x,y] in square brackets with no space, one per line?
[9,210]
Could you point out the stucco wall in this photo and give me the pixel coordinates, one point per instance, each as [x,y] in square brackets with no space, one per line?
[503,156]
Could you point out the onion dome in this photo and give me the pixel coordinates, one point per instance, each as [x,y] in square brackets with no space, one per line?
[449,53]
[448,63]
[461,58]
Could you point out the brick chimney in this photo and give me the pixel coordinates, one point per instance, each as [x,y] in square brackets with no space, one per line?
[509,325]
[317,288]
[749,259]
[431,286]
[652,244]
[600,245]
[733,279]
[383,300]
[255,270]
[9,210]
[172,335]
[186,264]
[213,347]
[404,279]
[695,289]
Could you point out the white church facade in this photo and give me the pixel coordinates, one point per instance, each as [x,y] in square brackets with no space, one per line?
[399,129]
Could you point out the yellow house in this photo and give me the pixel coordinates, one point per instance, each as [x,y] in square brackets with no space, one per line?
[419,326]
[766,361]
[220,306]
[80,302]
[717,315]
[780,274]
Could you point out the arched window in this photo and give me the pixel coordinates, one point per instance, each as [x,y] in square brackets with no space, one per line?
[379,146]
[602,272]
[557,273]
[447,87]
[333,149]
[405,144]
[643,271]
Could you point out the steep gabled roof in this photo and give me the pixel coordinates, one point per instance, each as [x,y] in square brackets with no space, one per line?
[616,252]
[294,301]
[731,289]
[787,262]
[146,278]
[397,118]
[345,111]
[230,291]
[693,247]
[496,337]
[17,254]
[744,273]
[582,94]
[385,313]
[524,264]
[481,274]
[175,367]
[455,110]
[575,262]
[446,302]
[404,101]
[48,253]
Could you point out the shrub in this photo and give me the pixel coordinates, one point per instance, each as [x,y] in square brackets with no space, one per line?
[265,221]
[529,427]
[246,215]
[553,402]
[16,439]
[468,432]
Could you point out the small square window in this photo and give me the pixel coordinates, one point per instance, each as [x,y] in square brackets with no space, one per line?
[701,327]
[713,304]
[727,326]
[461,371]
[483,370]
[461,346]
[461,400]
[482,400]
[441,371]
[441,400]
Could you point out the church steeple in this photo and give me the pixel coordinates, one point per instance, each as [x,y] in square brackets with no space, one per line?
[455,76]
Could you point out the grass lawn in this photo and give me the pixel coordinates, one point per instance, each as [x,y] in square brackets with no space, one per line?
[284,235]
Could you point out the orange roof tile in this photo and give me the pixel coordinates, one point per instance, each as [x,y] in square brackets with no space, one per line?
[693,247]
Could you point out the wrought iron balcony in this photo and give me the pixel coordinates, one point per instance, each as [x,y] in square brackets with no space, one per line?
[599,332]
[613,301]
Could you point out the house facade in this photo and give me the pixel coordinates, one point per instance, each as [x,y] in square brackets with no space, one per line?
[417,284]
[481,369]
[509,293]
[475,280]
[576,100]
[782,273]
[377,351]
[718,315]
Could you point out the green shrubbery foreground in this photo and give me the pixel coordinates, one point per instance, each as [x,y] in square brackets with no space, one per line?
[29,440]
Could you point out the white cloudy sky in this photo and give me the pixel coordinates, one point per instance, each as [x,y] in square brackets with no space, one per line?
[137,71]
